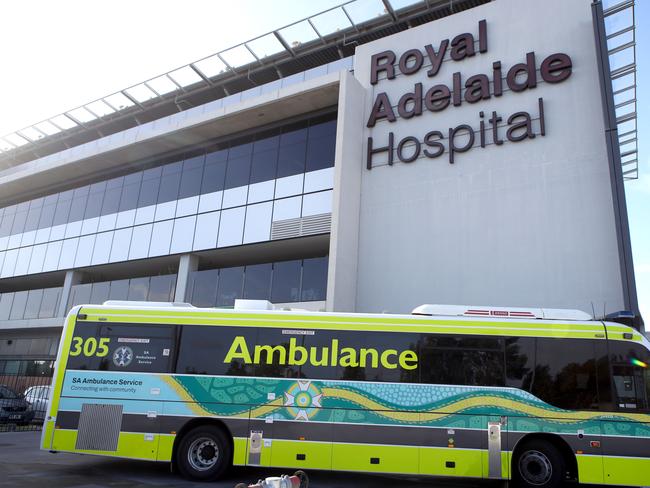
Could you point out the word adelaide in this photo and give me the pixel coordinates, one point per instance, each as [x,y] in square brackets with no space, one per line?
[555,68]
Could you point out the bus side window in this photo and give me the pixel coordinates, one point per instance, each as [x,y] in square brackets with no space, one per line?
[214,350]
[462,360]
[630,375]
[122,347]
[565,373]
[520,362]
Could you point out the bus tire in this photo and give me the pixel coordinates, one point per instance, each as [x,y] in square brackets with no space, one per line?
[203,454]
[539,464]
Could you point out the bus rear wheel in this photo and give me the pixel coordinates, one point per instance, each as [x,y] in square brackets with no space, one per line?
[539,464]
[203,453]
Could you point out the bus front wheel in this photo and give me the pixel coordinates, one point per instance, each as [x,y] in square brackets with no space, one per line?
[539,464]
[203,453]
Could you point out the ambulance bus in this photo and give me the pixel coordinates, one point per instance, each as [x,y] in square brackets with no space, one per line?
[534,395]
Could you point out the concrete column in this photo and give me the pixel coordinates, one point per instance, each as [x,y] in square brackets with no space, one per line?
[186,264]
[348,166]
[71,278]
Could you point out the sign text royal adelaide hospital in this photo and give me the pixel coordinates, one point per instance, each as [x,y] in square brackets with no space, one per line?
[473,166]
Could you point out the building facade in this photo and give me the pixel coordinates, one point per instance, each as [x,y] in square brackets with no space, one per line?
[463,152]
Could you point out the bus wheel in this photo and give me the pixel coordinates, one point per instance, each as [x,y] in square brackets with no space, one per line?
[539,465]
[203,453]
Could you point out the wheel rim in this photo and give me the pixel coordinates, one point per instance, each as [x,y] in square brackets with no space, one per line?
[203,453]
[535,468]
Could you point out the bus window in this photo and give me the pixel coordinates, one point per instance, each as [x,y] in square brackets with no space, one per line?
[520,362]
[215,350]
[565,373]
[631,375]
[120,347]
[458,360]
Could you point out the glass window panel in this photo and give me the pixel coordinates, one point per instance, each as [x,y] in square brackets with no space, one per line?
[183,235]
[28,238]
[33,216]
[50,303]
[102,249]
[140,241]
[52,254]
[111,202]
[231,228]
[138,289]
[187,206]
[314,279]
[260,192]
[294,133]
[266,143]
[120,246]
[34,298]
[161,288]
[125,218]
[203,288]
[22,263]
[9,263]
[38,258]
[107,222]
[257,282]
[78,208]
[289,185]
[161,238]
[95,199]
[84,251]
[62,211]
[170,182]
[99,292]
[6,300]
[18,306]
[238,171]
[319,180]
[210,201]
[68,252]
[145,215]
[80,295]
[258,222]
[234,197]
[287,208]
[165,210]
[214,173]
[19,222]
[73,229]
[264,165]
[129,197]
[322,127]
[191,177]
[286,282]
[207,228]
[230,286]
[317,203]
[47,216]
[291,159]
[119,290]
[7,223]
[149,191]
[320,152]
[90,226]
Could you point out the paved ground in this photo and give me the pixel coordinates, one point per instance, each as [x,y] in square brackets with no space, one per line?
[22,464]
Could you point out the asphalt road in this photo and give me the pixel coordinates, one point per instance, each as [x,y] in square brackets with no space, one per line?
[22,464]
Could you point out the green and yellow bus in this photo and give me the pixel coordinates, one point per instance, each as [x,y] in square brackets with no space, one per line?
[537,396]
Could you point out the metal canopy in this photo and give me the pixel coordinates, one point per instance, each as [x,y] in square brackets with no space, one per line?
[322,38]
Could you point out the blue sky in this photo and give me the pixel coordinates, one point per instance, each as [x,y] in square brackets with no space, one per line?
[75,51]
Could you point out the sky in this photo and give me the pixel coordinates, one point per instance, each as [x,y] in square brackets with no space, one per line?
[59,55]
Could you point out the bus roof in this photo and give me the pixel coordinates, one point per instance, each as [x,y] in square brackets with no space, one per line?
[176,313]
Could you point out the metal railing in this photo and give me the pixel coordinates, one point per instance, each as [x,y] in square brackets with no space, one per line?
[23,400]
